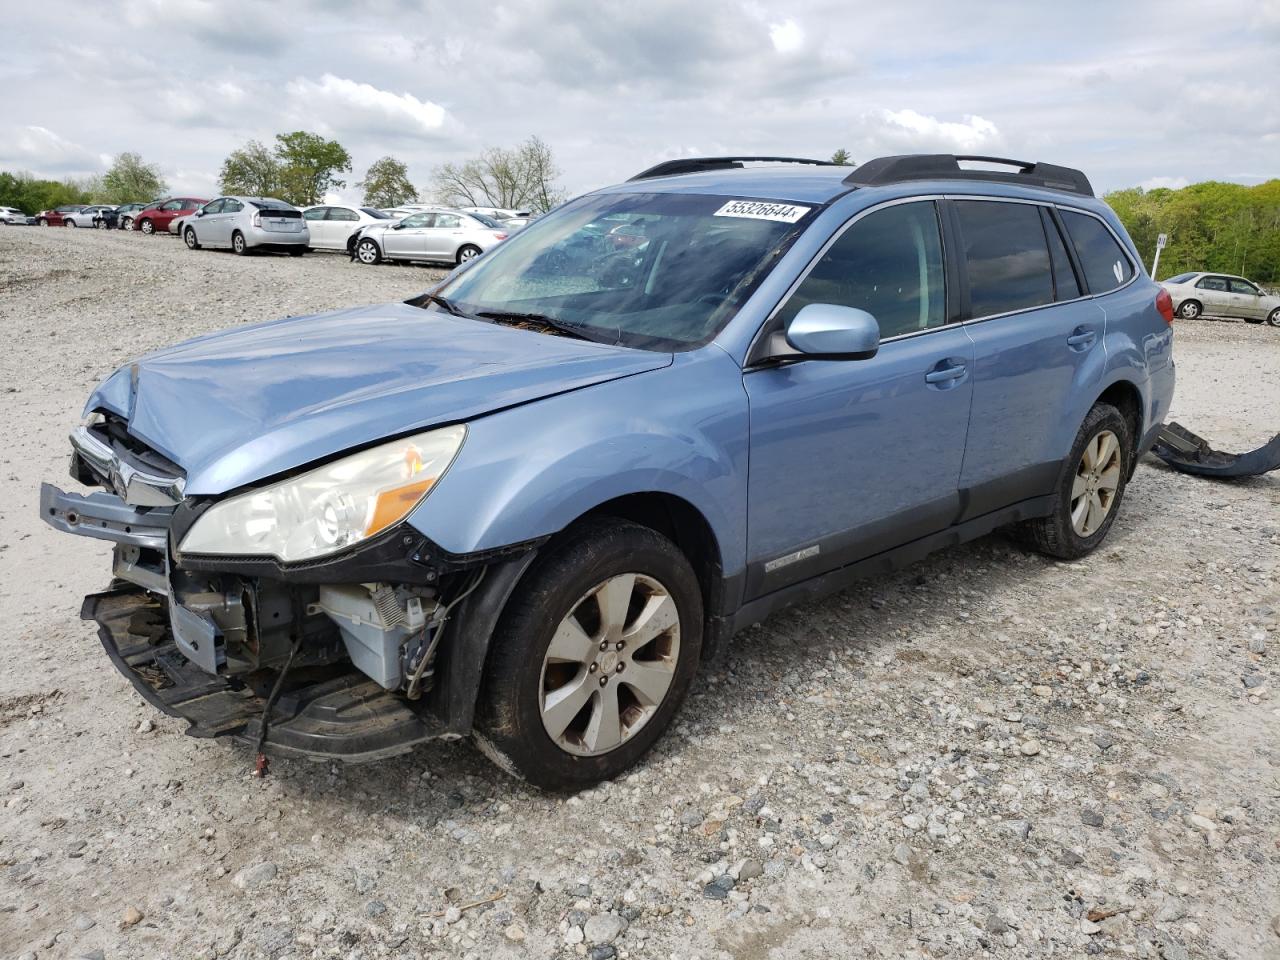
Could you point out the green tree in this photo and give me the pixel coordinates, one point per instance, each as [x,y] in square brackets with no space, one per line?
[386,184]
[251,171]
[31,195]
[130,179]
[521,177]
[841,158]
[309,166]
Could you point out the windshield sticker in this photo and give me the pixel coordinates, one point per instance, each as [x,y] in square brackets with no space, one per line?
[763,210]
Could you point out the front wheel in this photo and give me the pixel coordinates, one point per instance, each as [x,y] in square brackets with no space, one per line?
[1089,492]
[101,224]
[592,656]
[367,252]
[1273,317]
[126,223]
[1189,310]
[42,222]
[69,223]
[467,252]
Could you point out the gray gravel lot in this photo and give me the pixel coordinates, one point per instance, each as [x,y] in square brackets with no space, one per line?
[989,754]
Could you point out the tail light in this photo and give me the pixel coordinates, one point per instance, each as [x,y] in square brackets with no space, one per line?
[257,219]
[500,236]
[1164,303]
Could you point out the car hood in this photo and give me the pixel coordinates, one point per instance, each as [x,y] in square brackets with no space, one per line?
[237,407]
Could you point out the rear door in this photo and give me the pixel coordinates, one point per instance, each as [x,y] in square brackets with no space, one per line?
[444,237]
[317,227]
[1246,300]
[853,457]
[1037,344]
[339,226]
[1215,295]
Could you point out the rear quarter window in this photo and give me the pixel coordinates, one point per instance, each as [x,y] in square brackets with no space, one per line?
[1106,265]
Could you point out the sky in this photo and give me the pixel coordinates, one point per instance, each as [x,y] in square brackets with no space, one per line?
[1133,92]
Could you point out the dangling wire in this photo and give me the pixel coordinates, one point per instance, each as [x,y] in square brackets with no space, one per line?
[436,626]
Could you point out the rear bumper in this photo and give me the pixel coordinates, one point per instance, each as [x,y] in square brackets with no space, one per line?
[257,237]
[336,714]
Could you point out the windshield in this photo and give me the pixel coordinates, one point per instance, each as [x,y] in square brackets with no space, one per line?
[652,270]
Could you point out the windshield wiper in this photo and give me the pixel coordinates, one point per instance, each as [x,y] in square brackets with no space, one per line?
[443,302]
[541,319]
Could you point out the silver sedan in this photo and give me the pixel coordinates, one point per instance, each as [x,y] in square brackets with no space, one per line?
[441,236]
[245,223]
[1221,295]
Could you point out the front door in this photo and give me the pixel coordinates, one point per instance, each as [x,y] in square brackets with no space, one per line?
[1246,300]
[406,239]
[853,457]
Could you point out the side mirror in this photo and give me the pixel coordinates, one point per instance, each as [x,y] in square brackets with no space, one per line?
[824,331]
[398,226]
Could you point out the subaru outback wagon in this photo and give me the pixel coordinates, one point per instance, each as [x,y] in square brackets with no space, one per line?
[525,505]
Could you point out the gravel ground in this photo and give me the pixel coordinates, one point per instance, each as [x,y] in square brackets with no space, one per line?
[989,754]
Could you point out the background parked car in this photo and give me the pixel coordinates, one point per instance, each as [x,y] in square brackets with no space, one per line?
[247,223]
[443,236]
[331,226]
[155,217]
[55,217]
[13,216]
[125,214]
[85,216]
[1221,295]
[499,213]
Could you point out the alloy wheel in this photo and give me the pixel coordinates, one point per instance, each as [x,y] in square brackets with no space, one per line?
[610,664]
[1274,317]
[1093,491]
[1190,311]
[366,252]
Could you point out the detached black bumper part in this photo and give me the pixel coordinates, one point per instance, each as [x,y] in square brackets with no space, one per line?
[339,716]
[1185,451]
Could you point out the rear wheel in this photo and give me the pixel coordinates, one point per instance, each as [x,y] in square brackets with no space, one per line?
[1090,490]
[238,245]
[1273,317]
[467,252]
[147,227]
[69,223]
[592,657]
[1189,310]
[367,252]
[126,223]
[101,224]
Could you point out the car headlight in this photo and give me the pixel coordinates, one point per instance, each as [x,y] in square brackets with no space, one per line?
[332,507]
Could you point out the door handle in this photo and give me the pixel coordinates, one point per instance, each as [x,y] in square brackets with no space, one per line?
[1081,338]
[946,371]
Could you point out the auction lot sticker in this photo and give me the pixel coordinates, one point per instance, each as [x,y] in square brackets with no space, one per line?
[763,210]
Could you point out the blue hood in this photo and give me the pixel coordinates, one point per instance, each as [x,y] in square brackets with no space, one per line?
[236,407]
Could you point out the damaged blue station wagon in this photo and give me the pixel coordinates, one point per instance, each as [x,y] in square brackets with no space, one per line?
[524,506]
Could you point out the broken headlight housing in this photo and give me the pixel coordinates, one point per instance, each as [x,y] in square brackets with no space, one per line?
[331,507]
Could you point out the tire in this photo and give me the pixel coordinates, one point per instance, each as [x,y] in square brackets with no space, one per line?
[189,235]
[1273,317]
[100,224]
[1061,534]
[126,223]
[42,222]
[1190,309]
[297,251]
[468,251]
[367,252]
[69,223]
[147,227]
[240,248]
[658,584]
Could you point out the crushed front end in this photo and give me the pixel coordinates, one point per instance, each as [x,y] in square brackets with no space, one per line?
[333,657]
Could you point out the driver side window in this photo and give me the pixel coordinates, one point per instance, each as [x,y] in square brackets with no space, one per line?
[889,264]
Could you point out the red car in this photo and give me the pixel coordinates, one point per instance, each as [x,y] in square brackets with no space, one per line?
[155,217]
[56,217]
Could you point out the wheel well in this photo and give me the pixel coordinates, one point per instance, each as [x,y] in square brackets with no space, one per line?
[685,526]
[1124,396]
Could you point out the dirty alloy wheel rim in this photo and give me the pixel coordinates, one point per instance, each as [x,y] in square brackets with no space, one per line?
[1093,491]
[190,237]
[238,243]
[610,664]
[147,226]
[1190,311]
[1274,318]
[468,253]
[367,252]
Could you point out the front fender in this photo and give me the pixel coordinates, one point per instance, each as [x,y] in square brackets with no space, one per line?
[528,472]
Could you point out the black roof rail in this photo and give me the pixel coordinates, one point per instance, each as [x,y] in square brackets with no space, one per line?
[946,166]
[670,168]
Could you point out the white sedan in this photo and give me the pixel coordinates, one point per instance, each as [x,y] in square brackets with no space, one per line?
[331,226]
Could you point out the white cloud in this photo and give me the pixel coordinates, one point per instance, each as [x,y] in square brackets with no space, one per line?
[787,36]
[1172,183]
[339,104]
[44,150]
[911,130]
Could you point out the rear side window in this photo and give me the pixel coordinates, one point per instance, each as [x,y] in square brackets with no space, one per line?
[1104,262]
[889,263]
[1006,255]
[1212,283]
[342,213]
[315,213]
[1180,278]
[1065,285]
